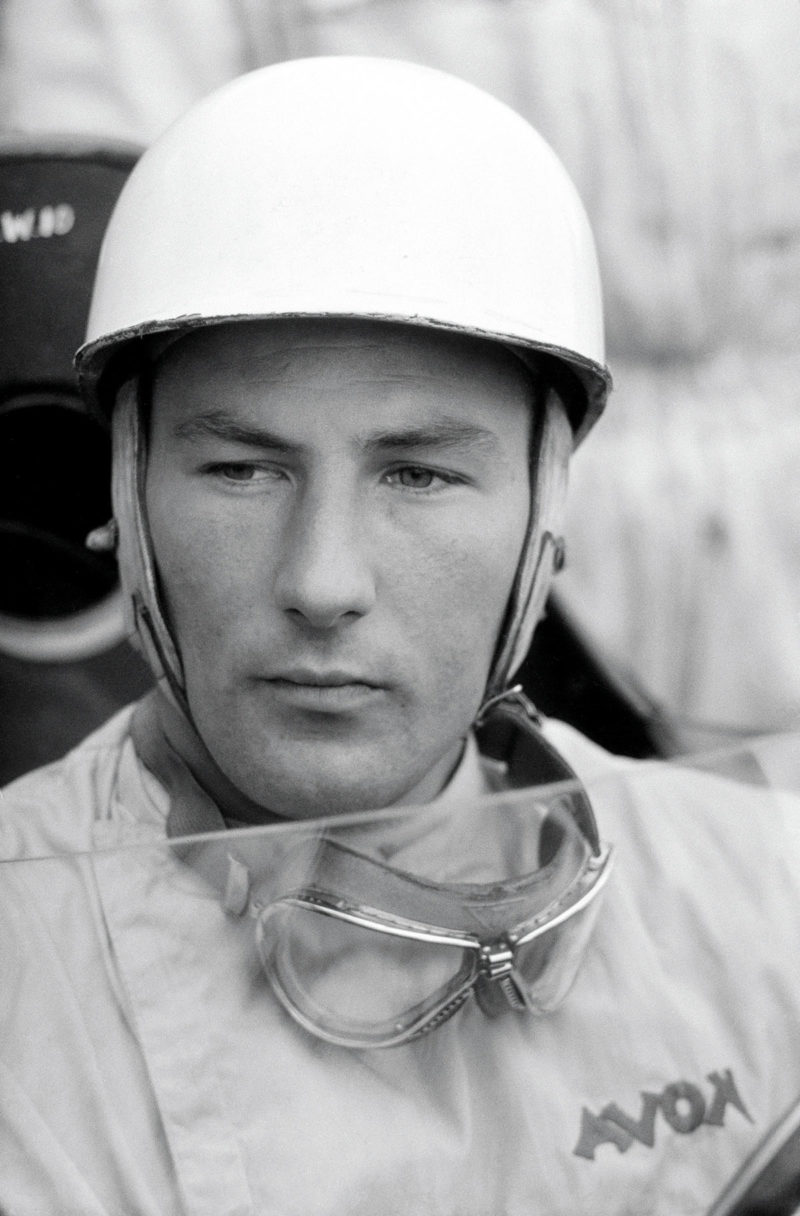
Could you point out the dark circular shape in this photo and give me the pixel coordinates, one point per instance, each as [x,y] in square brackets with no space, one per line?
[55,471]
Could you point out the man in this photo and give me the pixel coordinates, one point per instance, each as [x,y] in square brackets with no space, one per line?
[347,326]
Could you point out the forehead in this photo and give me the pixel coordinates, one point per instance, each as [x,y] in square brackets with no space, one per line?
[319,356]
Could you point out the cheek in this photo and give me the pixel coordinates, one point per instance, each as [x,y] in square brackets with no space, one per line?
[196,560]
[458,588]
[492,545]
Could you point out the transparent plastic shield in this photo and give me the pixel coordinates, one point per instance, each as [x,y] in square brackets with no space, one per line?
[474,1005]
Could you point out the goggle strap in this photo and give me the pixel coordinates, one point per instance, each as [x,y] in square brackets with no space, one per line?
[497,996]
[509,733]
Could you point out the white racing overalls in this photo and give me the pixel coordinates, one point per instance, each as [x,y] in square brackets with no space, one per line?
[146,1070]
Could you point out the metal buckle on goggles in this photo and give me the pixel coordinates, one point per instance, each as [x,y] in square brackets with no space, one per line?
[361,975]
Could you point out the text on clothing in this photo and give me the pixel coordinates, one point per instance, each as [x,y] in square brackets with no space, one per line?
[682,1105]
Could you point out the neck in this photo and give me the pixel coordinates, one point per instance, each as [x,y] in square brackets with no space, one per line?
[167,742]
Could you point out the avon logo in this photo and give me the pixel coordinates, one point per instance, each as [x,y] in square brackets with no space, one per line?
[683,1106]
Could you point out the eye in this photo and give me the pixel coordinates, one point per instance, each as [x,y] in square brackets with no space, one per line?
[415,478]
[240,472]
[418,477]
[237,472]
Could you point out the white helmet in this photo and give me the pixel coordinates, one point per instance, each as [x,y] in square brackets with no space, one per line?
[358,188]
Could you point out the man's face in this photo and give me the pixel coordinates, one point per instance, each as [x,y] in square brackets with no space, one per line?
[337,512]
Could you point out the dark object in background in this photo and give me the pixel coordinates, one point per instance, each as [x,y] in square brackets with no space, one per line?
[55,200]
[56,196]
[47,708]
[51,496]
[63,665]
[565,677]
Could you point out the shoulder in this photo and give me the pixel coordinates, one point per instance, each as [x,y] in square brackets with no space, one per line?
[733,817]
[54,807]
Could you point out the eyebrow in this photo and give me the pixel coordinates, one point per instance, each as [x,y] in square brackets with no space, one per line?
[443,433]
[219,425]
[438,435]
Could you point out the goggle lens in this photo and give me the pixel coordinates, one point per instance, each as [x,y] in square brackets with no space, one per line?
[351,984]
[546,965]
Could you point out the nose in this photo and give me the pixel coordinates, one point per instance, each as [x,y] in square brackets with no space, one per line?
[324,575]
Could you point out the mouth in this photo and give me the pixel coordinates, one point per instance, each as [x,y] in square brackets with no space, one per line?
[326,691]
[307,677]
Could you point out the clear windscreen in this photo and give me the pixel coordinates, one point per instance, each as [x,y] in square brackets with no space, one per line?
[468,1007]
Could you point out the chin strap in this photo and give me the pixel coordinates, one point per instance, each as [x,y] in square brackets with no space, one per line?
[144,619]
[543,549]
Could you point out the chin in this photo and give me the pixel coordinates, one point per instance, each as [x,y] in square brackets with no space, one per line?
[310,790]
[323,802]
[330,772]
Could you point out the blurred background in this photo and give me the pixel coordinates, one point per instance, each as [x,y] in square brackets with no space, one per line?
[679,607]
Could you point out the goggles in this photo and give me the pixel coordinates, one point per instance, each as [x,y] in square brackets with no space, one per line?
[367,955]
[373,929]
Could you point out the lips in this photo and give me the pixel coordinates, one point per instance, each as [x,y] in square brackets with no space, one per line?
[327,691]
[309,678]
